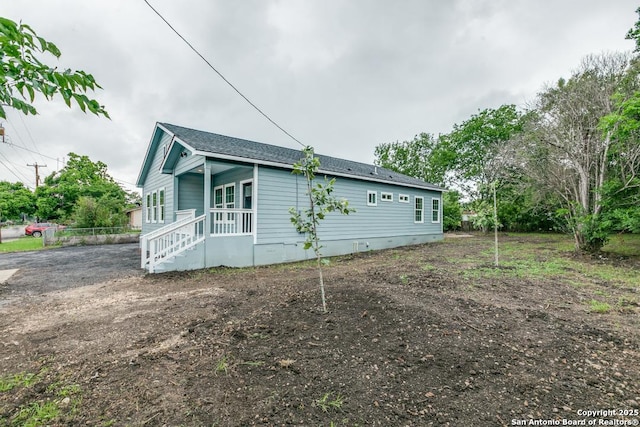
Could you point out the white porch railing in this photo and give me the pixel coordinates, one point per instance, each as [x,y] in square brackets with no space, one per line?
[165,243]
[231,222]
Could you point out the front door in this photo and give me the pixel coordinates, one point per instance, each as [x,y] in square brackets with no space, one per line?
[247,195]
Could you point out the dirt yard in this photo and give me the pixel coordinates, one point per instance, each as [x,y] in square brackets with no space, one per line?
[418,336]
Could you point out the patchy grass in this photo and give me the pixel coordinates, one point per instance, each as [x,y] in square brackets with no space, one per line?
[22,244]
[599,306]
[56,404]
[627,245]
[551,256]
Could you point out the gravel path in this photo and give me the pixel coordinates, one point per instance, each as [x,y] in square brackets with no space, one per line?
[50,270]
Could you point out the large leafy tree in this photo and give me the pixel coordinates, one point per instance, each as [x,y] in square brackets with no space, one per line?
[424,157]
[470,158]
[81,177]
[568,156]
[25,73]
[479,148]
[15,200]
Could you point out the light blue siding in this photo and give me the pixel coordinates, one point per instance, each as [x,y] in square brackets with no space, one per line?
[278,190]
[191,192]
[155,181]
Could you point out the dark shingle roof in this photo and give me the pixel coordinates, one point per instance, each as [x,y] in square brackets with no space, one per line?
[225,145]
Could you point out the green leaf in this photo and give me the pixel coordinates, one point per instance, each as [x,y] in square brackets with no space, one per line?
[32,93]
[81,100]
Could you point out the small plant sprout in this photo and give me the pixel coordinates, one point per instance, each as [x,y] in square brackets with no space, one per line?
[321,202]
[325,402]
[222,366]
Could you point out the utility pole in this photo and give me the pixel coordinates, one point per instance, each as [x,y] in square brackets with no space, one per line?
[37,167]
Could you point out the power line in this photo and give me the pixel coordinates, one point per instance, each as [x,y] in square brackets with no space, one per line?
[26,149]
[223,77]
[29,133]
[22,179]
[15,131]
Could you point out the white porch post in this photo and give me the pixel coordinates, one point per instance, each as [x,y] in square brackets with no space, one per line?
[176,185]
[254,205]
[207,198]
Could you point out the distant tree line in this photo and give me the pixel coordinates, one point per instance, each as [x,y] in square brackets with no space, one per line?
[81,193]
[569,162]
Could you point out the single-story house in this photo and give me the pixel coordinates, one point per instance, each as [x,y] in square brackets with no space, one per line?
[212,200]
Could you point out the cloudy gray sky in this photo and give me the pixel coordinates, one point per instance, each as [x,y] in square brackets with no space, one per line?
[343,76]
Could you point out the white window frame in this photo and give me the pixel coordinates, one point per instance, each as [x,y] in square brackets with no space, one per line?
[242,185]
[416,210]
[230,217]
[147,201]
[215,203]
[403,198]
[154,206]
[229,205]
[436,210]
[375,198]
[386,197]
[162,201]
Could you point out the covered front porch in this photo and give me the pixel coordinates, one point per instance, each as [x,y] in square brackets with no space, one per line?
[225,192]
[214,217]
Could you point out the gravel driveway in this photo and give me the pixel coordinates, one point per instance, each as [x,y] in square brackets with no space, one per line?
[49,270]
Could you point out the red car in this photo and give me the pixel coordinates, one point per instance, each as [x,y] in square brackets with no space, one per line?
[37,228]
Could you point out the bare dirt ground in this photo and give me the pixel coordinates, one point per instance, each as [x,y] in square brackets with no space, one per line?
[411,339]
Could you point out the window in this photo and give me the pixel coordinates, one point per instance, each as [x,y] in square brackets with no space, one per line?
[418,210]
[230,201]
[246,203]
[154,206]
[247,194]
[372,199]
[148,206]
[435,210]
[161,204]
[386,197]
[403,198]
[230,196]
[217,197]
[217,203]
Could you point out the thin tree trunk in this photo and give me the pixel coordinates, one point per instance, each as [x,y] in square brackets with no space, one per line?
[495,222]
[324,302]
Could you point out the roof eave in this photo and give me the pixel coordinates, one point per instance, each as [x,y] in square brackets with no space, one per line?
[322,171]
[146,164]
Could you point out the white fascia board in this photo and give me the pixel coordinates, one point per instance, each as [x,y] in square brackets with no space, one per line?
[139,184]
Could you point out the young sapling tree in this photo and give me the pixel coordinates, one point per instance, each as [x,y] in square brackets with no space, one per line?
[321,202]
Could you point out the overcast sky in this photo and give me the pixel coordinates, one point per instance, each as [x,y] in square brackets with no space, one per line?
[343,76]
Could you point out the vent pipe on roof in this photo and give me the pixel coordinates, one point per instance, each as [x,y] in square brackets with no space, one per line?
[375,170]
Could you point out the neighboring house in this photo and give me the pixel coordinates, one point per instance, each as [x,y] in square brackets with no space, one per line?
[211,200]
[135,217]
[467,220]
